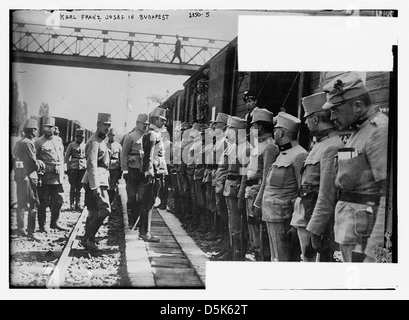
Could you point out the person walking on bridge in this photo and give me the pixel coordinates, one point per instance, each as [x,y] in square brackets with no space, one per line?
[178,47]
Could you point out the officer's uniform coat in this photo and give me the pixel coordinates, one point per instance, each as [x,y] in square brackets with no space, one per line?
[319,173]
[51,152]
[282,182]
[97,155]
[361,174]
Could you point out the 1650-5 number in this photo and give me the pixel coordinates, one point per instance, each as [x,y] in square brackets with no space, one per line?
[198,14]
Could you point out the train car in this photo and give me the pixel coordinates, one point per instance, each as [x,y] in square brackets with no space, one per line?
[67,129]
[218,86]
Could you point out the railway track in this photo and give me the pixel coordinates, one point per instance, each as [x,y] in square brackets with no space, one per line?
[58,274]
[58,260]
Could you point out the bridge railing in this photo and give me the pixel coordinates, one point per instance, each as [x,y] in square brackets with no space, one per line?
[86,42]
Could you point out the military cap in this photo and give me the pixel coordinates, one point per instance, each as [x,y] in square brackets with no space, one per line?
[288,121]
[342,88]
[262,114]
[144,118]
[79,132]
[221,118]
[159,112]
[49,121]
[185,125]
[196,126]
[313,103]
[104,118]
[31,124]
[249,95]
[112,132]
[238,123]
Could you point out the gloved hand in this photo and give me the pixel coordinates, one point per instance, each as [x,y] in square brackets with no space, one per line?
[42,165]
[96,192]
[292,235]
[241,204]
[257,212]
[317,243]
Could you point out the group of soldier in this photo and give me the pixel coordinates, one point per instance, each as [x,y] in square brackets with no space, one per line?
[254,186]
[246,181]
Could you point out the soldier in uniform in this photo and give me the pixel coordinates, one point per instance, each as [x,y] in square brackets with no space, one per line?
[282,183]
[76,165]
[197,149]
[362,168]
[190,170]
[131,165]
[153,168]
[207,180]
[26,167]
[166,193]
[263,154]
[218,180]
[181,138]
[50,150]
[237,150]
[314,207]
[250,100]
[96,181]
[57,134]
[115,172]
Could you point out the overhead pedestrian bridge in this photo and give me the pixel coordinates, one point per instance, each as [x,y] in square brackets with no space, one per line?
[109,49]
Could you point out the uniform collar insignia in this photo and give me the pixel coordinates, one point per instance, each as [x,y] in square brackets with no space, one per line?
[286,146]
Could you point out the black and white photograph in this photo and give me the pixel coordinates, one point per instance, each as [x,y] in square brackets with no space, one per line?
[201,151]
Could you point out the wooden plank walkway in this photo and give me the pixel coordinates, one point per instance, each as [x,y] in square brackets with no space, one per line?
[174,262]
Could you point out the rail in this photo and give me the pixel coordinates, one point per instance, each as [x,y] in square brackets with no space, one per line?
[96,43]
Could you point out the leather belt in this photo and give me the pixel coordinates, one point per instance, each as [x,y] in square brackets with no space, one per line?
[252,182]
[361,198]
[233,177]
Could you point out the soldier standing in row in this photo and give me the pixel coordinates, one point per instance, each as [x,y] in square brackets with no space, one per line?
[218,180]
[181,141]
[131,165]
[154,169]
[207,180]
[263,154]
[190,170]
[26,167]
[50,150]
[250,100]
[237,150]
[282,183]
[96,181]
[362,168]
[115,172]
[314,208]
[197,150]
[76,165]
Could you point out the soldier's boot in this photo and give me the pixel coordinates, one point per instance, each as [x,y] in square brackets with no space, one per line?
[78,206]
[244,247]
[72,201]
[238,254]
[31,220]
[257,256]
[89,236]
[228,254]
[204,227]
[20,222]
